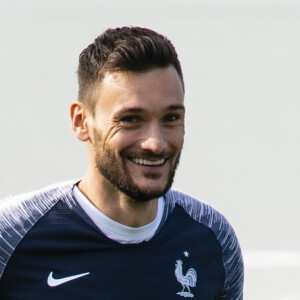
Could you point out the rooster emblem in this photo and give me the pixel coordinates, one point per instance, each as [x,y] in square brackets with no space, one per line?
[188,280]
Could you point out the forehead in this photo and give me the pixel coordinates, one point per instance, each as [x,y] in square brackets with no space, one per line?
[154,89]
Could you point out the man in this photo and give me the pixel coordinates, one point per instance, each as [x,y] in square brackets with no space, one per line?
[120,232]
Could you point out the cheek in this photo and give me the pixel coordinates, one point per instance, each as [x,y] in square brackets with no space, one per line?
[110,133]
[123,140]
[175,138]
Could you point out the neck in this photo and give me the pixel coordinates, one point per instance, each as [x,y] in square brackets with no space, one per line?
[115,204]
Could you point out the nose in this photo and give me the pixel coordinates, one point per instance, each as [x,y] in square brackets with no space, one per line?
[154,139]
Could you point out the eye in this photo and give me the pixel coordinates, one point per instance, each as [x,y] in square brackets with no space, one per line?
[171,117]
[129,119]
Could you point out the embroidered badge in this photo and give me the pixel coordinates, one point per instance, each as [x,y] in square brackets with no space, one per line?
[188,280]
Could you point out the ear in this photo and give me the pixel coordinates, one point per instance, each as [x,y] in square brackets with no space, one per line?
[79,121]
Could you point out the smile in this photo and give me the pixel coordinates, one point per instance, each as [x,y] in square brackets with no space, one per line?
[146,162]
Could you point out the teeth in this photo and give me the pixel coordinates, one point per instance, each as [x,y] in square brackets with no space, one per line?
[148,162]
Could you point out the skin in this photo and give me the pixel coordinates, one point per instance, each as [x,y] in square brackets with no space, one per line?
[137,115]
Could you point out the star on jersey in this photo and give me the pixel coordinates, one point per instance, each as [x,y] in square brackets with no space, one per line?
[186,254]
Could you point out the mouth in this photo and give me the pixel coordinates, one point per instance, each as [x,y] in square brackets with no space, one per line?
[146,162]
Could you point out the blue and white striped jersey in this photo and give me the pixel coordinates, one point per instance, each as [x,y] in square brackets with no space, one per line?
[50,249]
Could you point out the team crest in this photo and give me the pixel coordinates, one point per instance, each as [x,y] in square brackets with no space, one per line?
[187,281]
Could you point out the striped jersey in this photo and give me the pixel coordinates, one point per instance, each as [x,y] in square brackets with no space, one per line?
[51,249]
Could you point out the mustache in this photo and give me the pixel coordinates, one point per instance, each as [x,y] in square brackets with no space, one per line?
[147,154]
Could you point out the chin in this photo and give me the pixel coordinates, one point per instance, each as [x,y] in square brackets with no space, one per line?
[147,193]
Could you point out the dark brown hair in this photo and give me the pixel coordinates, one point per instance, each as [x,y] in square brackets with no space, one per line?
[133,49]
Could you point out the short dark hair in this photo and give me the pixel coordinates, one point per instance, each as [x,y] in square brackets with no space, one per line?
[133,49]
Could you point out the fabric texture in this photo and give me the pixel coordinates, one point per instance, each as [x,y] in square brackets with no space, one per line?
[51,249]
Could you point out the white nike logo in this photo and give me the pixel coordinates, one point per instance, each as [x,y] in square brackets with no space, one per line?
[55,282]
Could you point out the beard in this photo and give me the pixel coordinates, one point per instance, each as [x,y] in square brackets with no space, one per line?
[114,170]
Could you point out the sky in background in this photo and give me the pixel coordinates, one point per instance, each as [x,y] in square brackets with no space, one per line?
[241,65]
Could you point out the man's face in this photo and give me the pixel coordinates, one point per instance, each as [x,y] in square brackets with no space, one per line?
[138,131]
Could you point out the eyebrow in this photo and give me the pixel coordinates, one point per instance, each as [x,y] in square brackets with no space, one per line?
[139,110]
[175,107]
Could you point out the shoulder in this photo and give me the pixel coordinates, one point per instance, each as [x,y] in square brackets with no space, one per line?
[15,208]
[18,214]
[224,233]
[198,210]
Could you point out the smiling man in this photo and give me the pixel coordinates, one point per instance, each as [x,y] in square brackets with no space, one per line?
[134,138]
[121,232]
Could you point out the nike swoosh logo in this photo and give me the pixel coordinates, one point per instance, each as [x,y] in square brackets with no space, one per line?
[55,282]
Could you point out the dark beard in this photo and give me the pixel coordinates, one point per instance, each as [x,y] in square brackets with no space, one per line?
[120,178]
